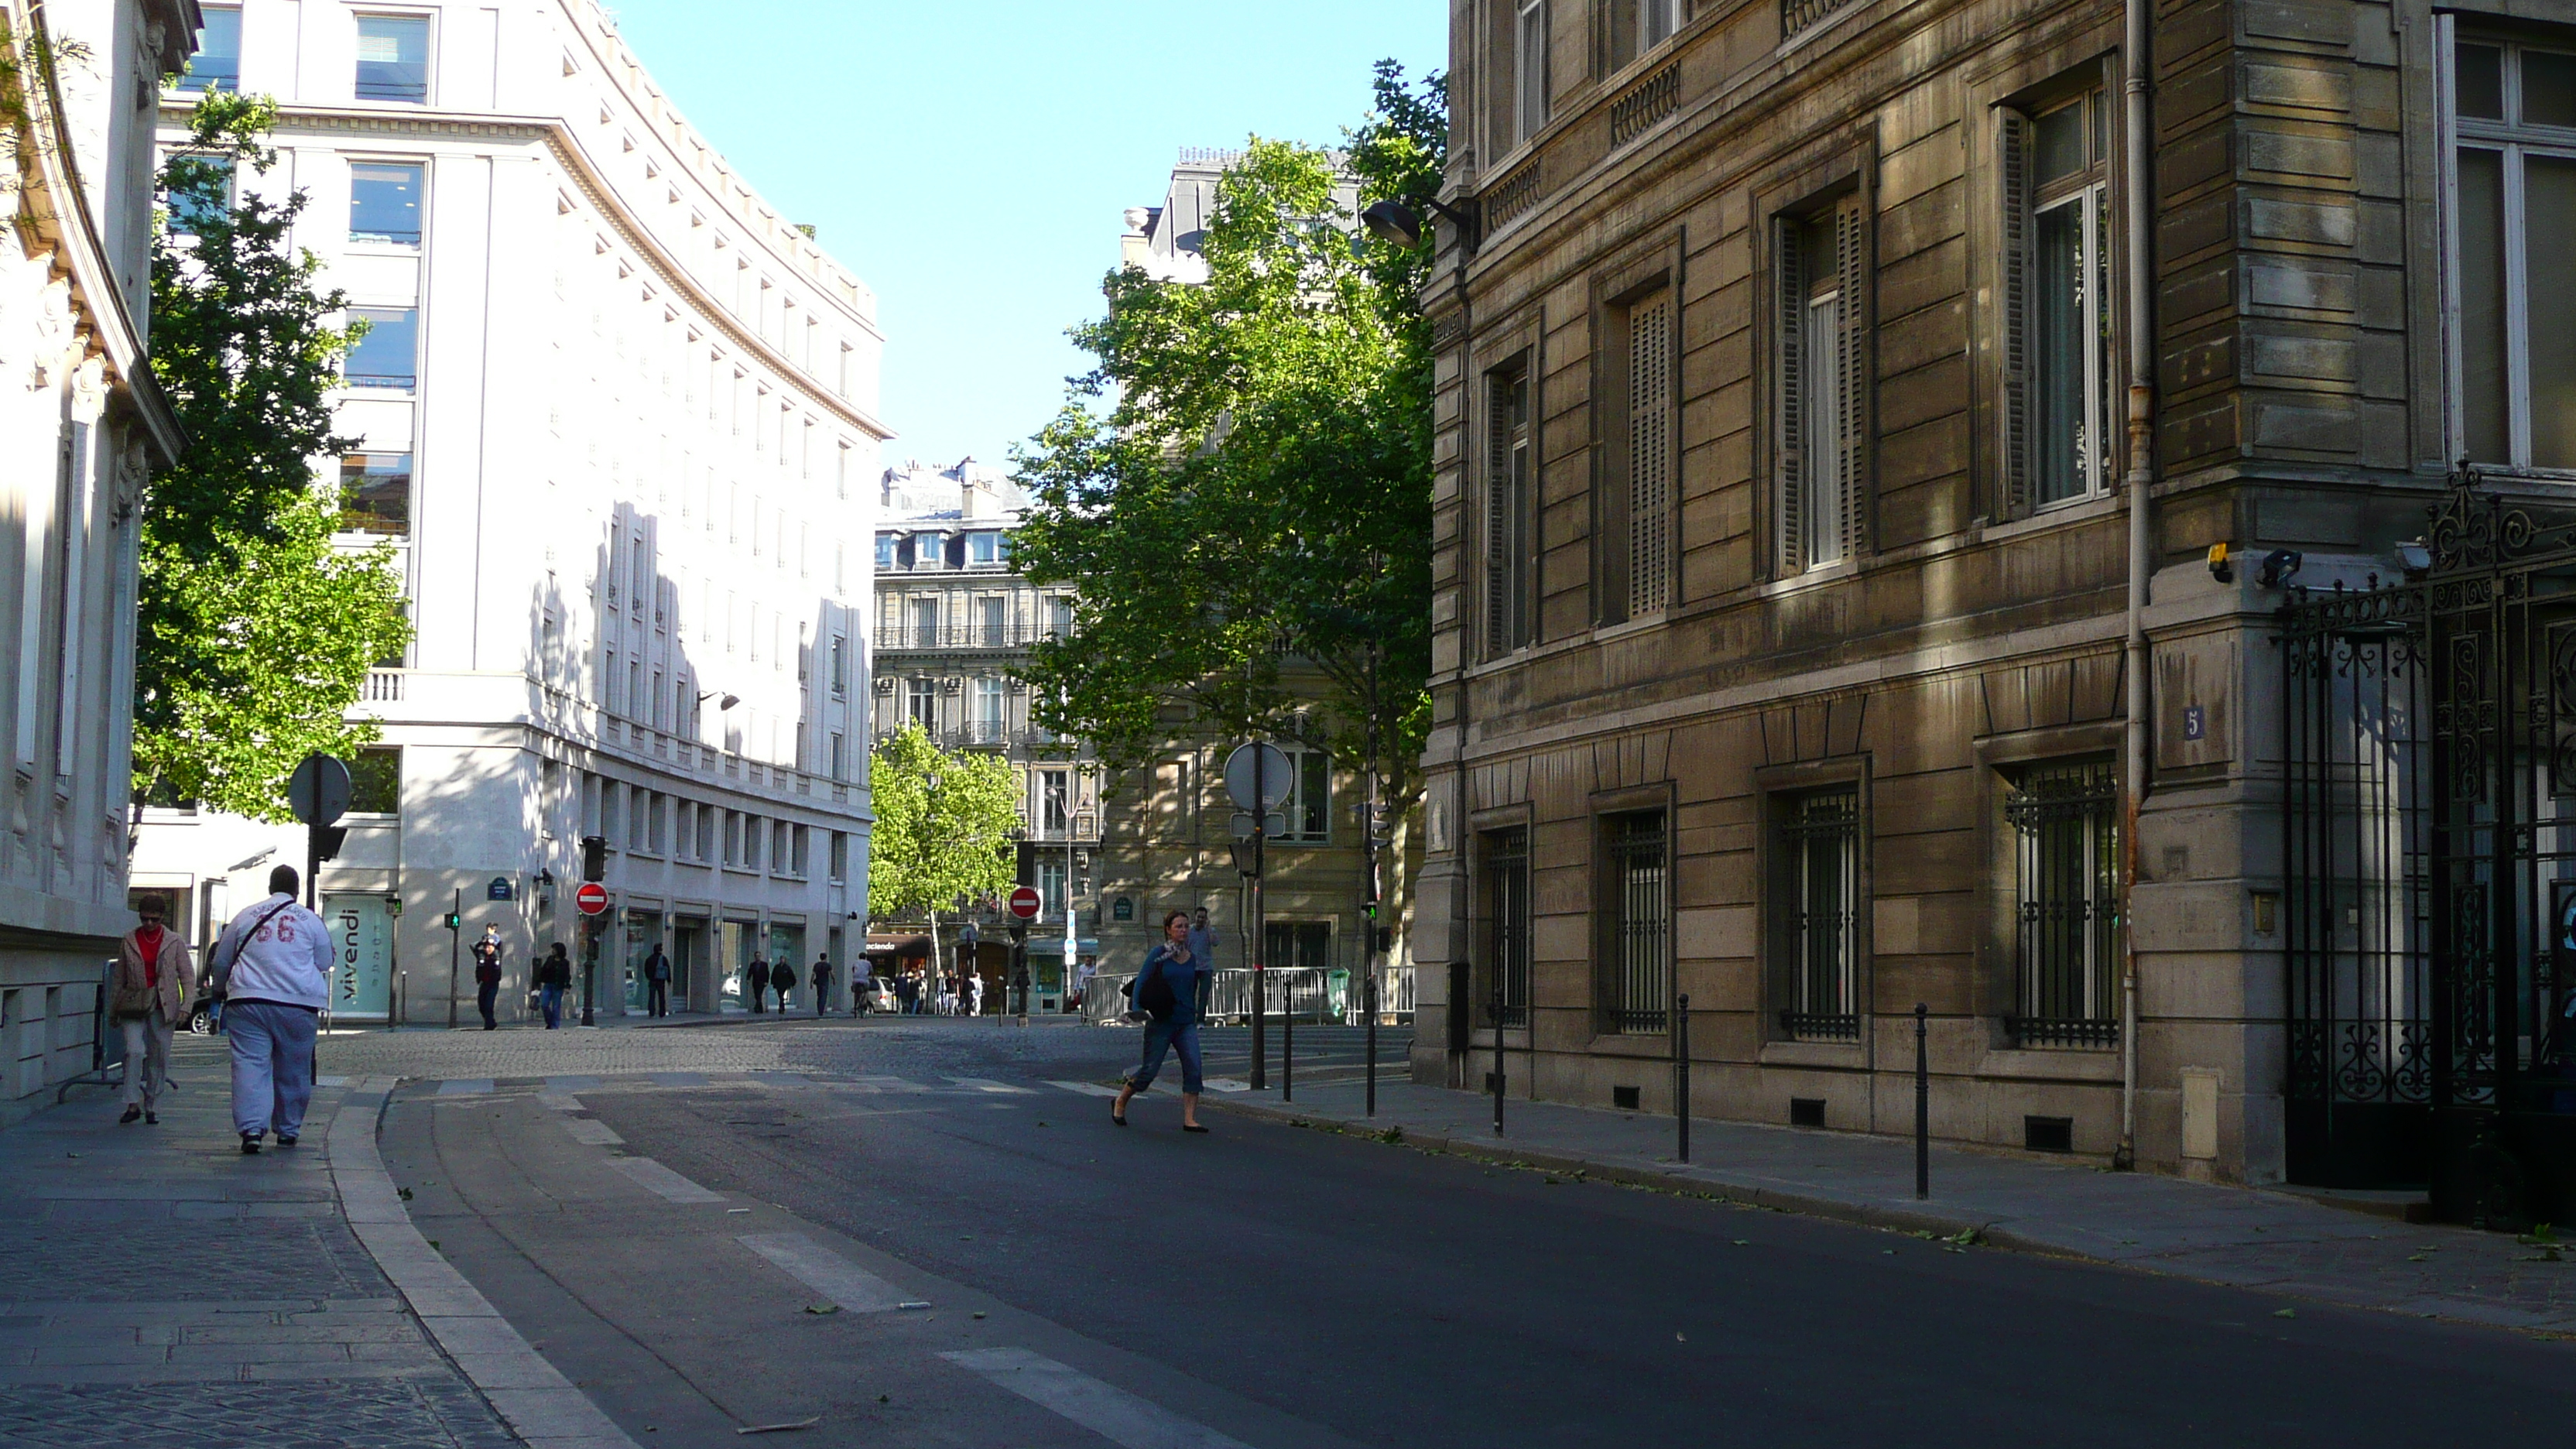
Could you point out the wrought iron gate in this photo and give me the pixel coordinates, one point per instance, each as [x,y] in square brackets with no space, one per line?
[2429,873]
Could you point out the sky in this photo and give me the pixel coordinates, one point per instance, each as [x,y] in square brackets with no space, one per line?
[971,162]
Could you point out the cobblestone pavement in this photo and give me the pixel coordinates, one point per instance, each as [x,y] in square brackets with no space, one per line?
[164,1289]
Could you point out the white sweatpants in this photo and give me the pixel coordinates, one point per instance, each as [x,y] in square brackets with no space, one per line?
[147,1059]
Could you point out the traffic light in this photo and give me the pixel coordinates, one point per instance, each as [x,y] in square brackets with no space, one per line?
[594,857]
[454,920]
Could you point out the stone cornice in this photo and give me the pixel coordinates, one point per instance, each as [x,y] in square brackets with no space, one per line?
[558,139]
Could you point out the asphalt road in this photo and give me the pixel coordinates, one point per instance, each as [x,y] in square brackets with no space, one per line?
[1273,1287]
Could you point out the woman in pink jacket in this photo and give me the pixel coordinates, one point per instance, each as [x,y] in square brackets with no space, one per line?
[156,979]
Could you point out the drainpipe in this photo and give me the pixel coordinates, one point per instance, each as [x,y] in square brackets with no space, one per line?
[2137,181]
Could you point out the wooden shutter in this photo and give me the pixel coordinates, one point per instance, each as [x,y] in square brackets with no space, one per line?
[1851,354]
[2013,163]
[1502,510]
[1789,273]
[1650,453]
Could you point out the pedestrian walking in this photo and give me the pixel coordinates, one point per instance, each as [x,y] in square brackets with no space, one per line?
[782,979]
[554,978]
[657,983]
[274,966]
[822,974]
[971,998]
[155,982]
[907,994]
[487,975]
[1203,939]
[1166,990]
[755,983]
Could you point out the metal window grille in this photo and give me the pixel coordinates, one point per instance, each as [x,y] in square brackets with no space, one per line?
[1650,454]
[1820,845]
[2068,839]
[1507,920]
[1640,955]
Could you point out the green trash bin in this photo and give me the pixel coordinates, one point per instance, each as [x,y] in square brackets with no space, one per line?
[1337,994]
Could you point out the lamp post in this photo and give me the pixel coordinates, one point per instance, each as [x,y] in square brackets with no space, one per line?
[1072,941]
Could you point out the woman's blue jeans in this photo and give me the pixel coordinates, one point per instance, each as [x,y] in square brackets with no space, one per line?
[552,999]
[1169,1036]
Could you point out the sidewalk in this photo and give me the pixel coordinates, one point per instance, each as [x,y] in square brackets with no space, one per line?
[2272,1241]
[162,1288]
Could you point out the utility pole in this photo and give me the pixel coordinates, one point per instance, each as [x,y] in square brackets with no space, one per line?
[1256,930]
[455,925]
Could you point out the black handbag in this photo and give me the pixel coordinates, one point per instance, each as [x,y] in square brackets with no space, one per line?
[1155,996]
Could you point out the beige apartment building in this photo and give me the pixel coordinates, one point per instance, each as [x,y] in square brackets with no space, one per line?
[1787,657]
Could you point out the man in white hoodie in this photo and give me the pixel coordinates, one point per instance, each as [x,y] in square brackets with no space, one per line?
[274,964]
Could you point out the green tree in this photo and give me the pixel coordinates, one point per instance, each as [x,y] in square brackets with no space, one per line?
[256,632]
[930,848]
[1240,487]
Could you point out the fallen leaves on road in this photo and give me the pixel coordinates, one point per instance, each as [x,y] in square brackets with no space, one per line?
[822,1307]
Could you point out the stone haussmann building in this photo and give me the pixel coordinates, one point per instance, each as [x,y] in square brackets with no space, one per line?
[1843,406]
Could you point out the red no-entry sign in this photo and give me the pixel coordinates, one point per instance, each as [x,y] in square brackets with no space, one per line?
[592,898]
[1024,903]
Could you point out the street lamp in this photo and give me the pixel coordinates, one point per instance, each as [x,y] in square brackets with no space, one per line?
[1396,224]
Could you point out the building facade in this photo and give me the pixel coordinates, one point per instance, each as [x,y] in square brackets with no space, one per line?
[1787,657]
[617,420]
[954,623]
[82,428]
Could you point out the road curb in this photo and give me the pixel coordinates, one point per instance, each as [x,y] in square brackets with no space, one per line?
[1906,1218]
[538,1403]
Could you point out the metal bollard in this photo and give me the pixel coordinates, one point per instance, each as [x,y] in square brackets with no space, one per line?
[1922,1106]
[1681,1075]
[1288,1045]
[1498,1058]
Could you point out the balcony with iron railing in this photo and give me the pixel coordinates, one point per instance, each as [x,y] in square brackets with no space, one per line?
[958,636]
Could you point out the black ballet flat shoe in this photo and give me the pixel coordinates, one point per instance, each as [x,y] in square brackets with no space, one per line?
[1192,1127]
[151,1119]
[132,1116]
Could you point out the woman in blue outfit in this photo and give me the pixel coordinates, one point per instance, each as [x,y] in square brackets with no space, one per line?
[1167,991]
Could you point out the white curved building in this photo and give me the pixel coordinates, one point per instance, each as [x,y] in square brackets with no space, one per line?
[618,420]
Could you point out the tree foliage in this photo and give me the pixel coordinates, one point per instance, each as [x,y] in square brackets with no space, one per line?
[930,847]
[256,632]
[1240,488]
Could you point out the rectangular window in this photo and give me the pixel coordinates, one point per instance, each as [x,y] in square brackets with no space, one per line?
[638,817]
[200,192]
[1637,953]
[706,848]
[389,354]
[1815,913]
[1507,515]
[217,64]
[780,857]
[1298,946]
[1529,70]
[840,666]
[1503,891]
[384,203]
[375,494]
[393,58]
[2061,416]
[612,800]
[2067,845]
[2512,234]
[990,728]
[1051,887]
[925,623]
[733,821]
[1309,806]
[922,703]
[754,842]
[799,841]
[996,620]
[840,856]
[1818,386]
[653,818]
[375,781]
[983,548]
[1055,803]
[1059,618]
[840,757]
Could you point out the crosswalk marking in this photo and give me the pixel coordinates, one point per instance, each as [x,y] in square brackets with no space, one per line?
[1088,1089]
[1227,1084]
[597,1134]
[572,1084]
[824,1271]
[986,1084]
[676,1079]
[1112,1413]
[653,1177]
[465,1087]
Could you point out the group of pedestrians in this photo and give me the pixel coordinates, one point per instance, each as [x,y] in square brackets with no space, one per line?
[762,979]
[271,971]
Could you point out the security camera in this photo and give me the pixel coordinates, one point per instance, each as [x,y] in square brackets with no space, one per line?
[2219,568]
[2279,567]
